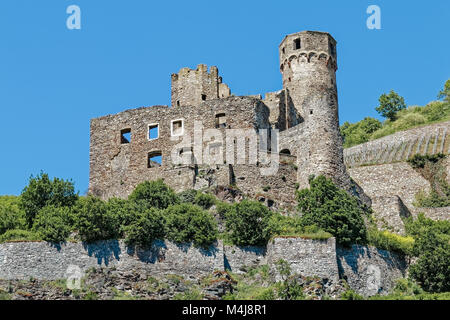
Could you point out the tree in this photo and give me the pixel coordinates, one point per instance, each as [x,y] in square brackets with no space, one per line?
[390,104]
[432,247]
[41,192]
[332,210]
[11,217]
[154,194]
[189,223]
[248,223]
[149,226]
[93,221]
[445,93]
[52,223]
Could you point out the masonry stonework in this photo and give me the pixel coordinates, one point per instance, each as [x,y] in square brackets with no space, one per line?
[146,143]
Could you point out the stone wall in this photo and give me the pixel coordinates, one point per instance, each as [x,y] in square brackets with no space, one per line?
[370,271]
[306,257]
[316,258]
[400,146]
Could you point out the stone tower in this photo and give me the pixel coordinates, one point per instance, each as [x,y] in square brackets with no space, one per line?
[308,67]
[191,87]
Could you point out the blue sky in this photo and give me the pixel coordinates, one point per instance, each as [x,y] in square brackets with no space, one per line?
[53,80]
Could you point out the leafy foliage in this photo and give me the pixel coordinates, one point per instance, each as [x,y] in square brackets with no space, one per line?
[19,235]
[390,241]
[11,216]
[247,223]
[93,220]
[359,132]
[445,93]
[41,192]
[187,196]
[52,223]
[148,227]
[432,247]
[419,161]
[205,200]
[154,194]
[332,210]
[390,104]
[189,223]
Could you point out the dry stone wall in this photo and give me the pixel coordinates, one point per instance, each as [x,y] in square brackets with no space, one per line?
[401,146]
[315,258]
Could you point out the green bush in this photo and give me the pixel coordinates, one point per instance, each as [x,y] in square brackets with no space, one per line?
[189,223]
[11,216]
[419,161]
[53,224]
[288,226]
[432,247]
[390,241]
[149,226]
[41,192]
[247,223]
[332,210]
[93,221]
[187,196]
[205,200]
[154,194]
[19,235]
[359,132]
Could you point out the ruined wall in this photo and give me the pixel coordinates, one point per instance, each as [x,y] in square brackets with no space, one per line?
[191,87]
[401,146]
[116,168]
[370,271]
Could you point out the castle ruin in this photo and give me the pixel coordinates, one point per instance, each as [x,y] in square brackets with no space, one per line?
[141,144]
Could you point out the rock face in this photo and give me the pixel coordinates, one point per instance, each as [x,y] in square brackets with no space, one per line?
[367,270]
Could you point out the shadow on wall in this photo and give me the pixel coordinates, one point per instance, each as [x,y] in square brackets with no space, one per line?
[104,251]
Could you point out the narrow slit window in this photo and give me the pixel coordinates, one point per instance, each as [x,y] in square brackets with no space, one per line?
[178,103]
[203,97]
[177,127]
[221,120]
[154,159]
[125,136]
[297,44]
[153,131]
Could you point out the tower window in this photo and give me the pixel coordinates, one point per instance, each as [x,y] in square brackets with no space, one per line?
[310,112]
[153,131]
[203,97]
[125,136]
[177,127]
[221,120]
[154,159]
[333,49]
[297,44]
[178,103]
[283,50]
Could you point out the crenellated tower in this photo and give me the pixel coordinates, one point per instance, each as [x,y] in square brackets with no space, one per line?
[191,87]
[308,67]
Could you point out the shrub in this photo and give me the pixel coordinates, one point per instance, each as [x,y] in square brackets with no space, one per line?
[205,200]
[247,223]
[41,192]
[52,223]
[93,220]
[419,161]
[154,194]
[11,217]
[332,210]
[187,196]
[390,241]
[19,235]
[359,132]
[125,212]
[149,226]
[432,247]
[189,223]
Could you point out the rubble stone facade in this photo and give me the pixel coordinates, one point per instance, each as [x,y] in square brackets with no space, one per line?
[144,144]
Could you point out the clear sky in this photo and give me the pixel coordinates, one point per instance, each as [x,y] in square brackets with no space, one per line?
[54,80]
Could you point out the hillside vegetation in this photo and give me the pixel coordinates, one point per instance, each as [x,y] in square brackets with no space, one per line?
[402,119]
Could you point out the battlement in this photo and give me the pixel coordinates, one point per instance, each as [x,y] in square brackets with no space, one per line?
[192,87]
